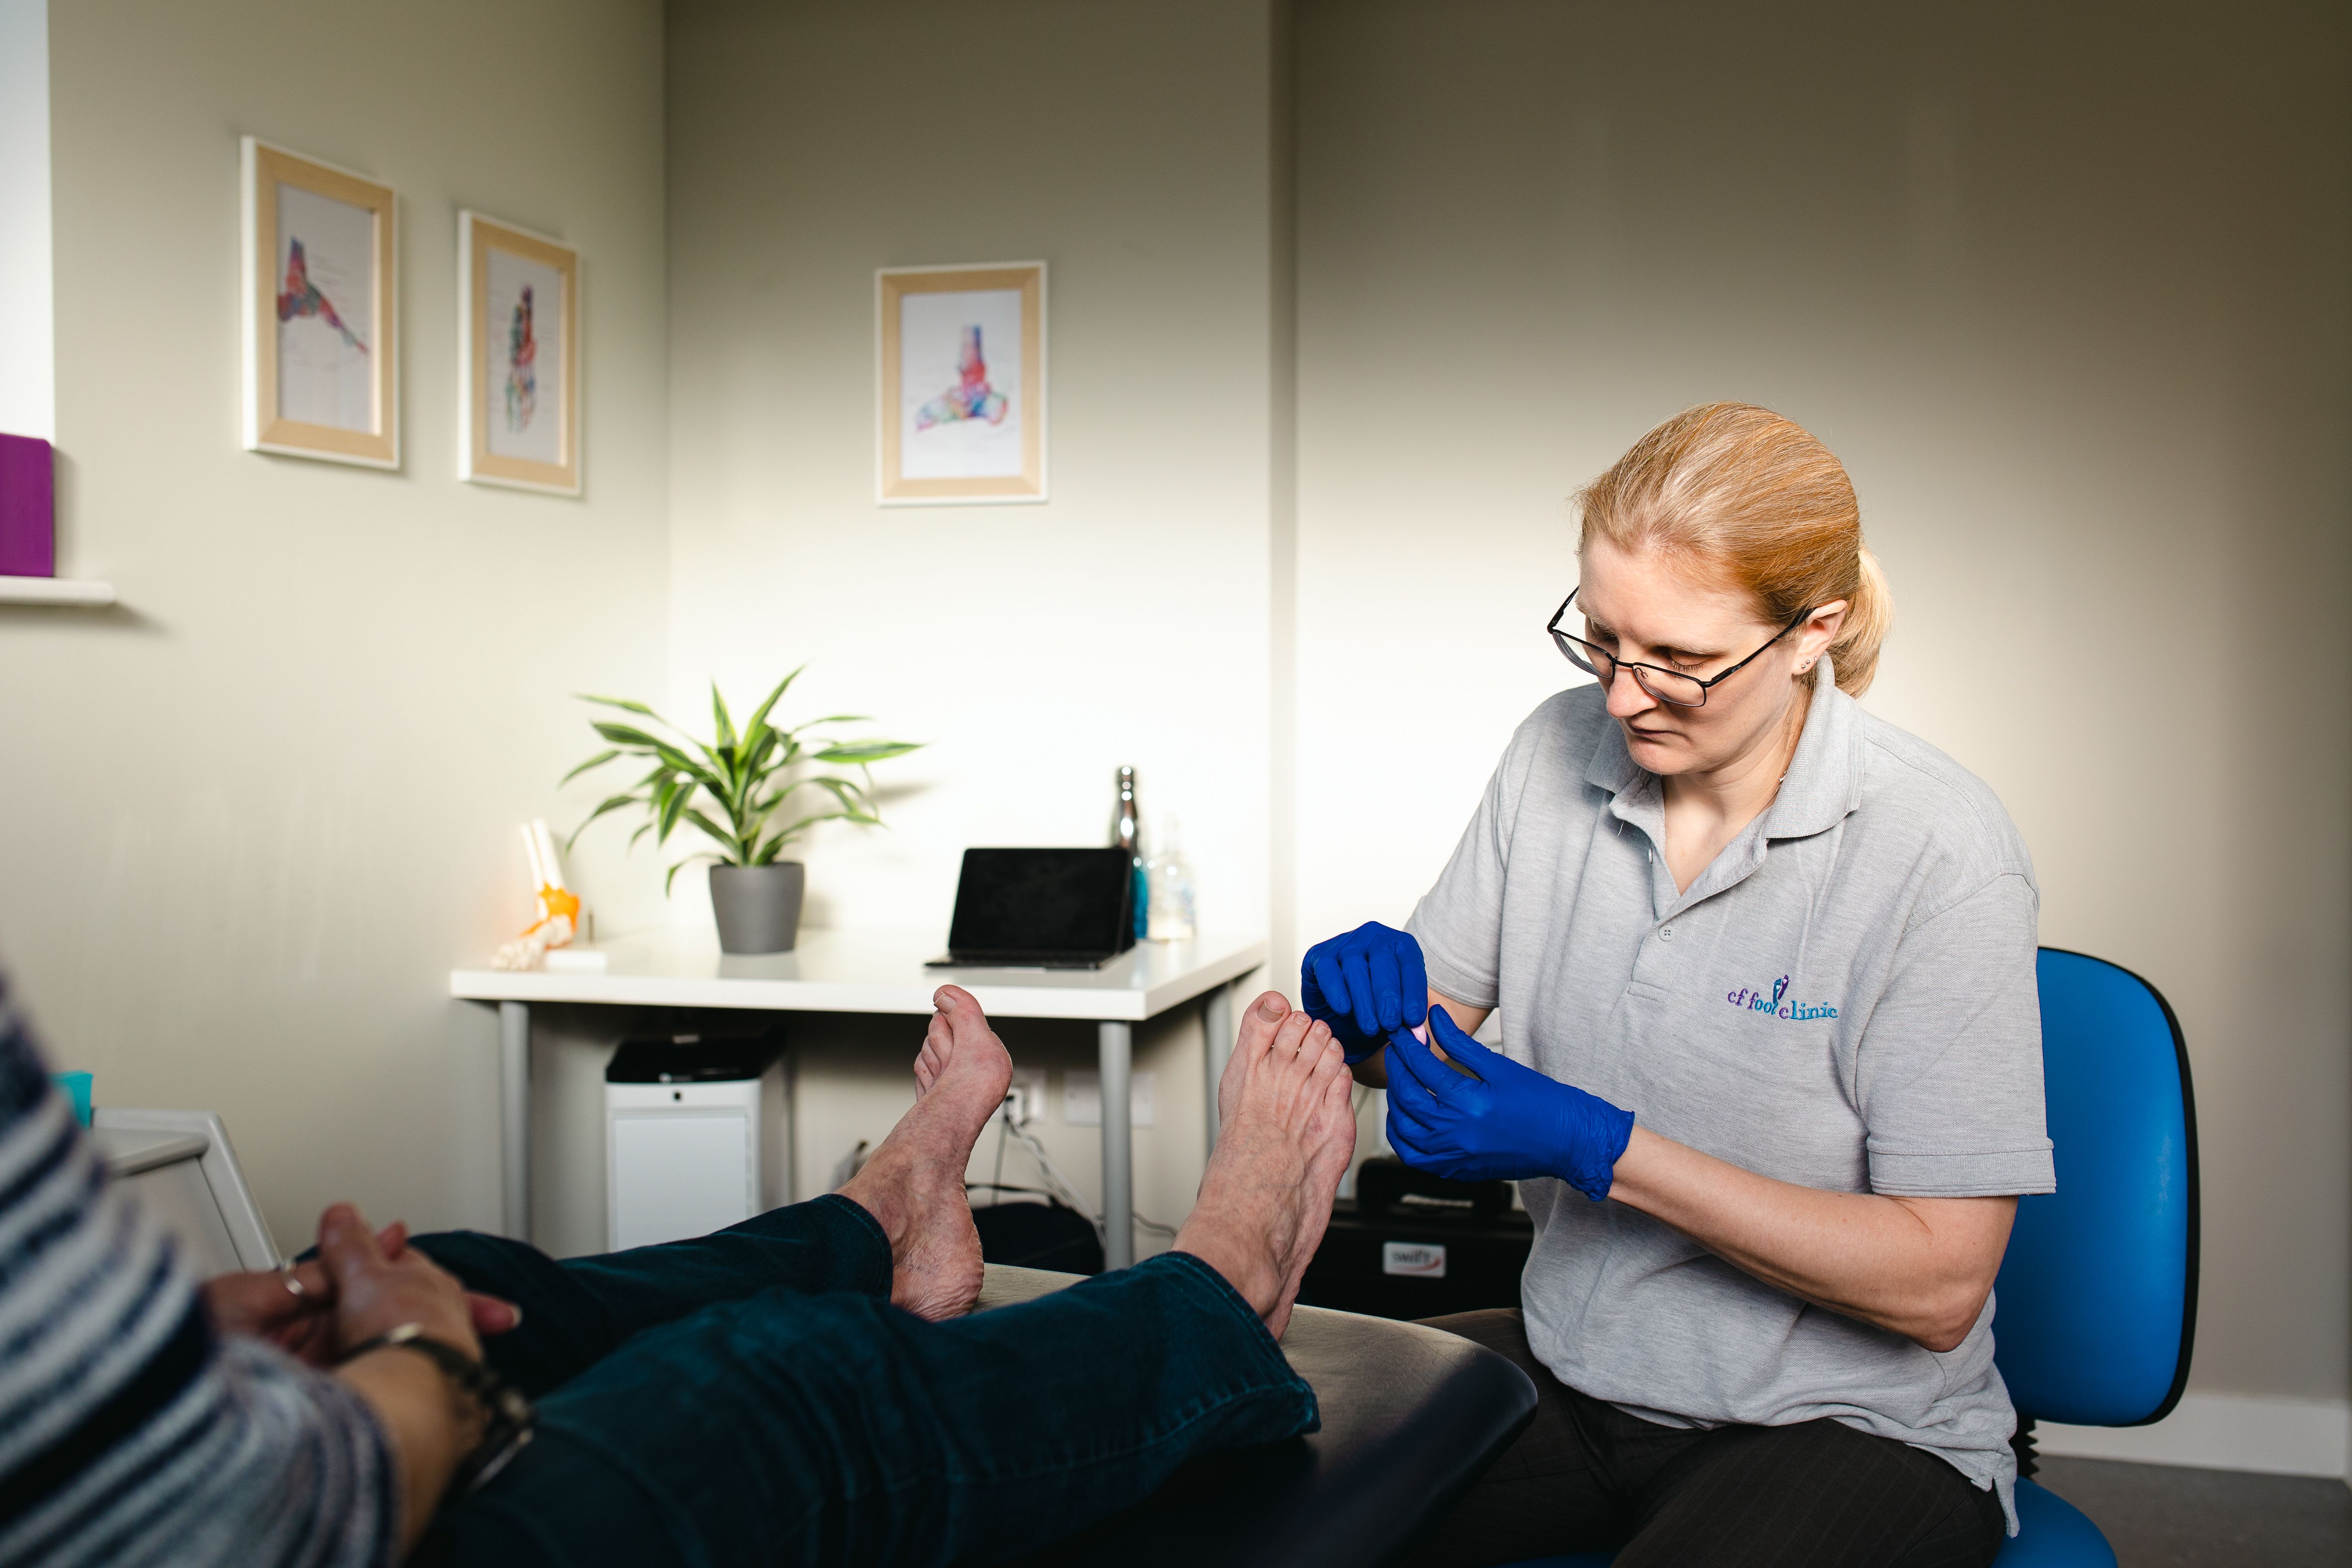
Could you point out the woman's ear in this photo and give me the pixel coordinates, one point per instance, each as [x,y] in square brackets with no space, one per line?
[1820,630]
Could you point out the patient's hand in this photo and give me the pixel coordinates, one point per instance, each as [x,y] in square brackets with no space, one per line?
[295,1308]
[380,1283]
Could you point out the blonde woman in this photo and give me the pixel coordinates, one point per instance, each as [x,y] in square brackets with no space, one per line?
[1770,1067]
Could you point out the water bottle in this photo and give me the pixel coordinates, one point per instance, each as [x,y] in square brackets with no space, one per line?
[1127,833]
[1169,880]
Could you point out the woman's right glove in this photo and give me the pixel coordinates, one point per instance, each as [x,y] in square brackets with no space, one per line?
[1365,987]
[1509,1122]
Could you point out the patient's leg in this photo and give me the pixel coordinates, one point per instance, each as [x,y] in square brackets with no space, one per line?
[901,1228]
[836,1428]
[1289,1128]
[914,1184]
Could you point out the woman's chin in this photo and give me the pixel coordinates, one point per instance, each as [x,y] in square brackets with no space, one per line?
[1658,754]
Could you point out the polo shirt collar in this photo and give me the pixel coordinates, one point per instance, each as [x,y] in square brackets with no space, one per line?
[1822,785]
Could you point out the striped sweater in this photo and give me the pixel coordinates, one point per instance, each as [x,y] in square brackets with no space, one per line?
[130,1431]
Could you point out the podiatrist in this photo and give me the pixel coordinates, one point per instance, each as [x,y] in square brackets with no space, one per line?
[1771,1070]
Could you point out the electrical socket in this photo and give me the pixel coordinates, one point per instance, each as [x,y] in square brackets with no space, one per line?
[1028,1095]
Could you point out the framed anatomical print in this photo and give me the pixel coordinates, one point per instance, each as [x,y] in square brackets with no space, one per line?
[962,384]
[321,349]
[518,339]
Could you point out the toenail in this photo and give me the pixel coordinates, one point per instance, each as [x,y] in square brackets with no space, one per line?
[1272,1006]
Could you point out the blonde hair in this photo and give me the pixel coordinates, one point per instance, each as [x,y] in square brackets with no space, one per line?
[1740,489]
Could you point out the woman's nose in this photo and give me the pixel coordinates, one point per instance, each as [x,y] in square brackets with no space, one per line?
[1627,696]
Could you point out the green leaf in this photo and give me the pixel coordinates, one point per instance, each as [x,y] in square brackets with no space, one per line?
[867,750]
[677,762]
[805,823]
[728,841]
[643,828]
[755,756]
[629,735]
[721,725]
[833,719]
[612,803]
[672,803]
[598,761]
[845,792]
[621,702]
[681,865]
[759,716]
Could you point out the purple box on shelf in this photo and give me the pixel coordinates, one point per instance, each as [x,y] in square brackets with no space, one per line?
[28,518]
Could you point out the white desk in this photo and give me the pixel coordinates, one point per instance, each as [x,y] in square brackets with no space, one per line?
[878,972]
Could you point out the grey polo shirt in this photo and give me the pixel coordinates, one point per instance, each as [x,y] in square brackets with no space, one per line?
[1844,999]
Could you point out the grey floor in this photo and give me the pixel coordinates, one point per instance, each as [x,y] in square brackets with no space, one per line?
[2160,1516]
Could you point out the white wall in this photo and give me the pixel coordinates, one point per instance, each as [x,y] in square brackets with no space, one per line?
[2070,291]
[1033,647]
[28,385]
[252,816]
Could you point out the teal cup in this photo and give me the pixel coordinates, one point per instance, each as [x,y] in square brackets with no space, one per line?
[75,1086]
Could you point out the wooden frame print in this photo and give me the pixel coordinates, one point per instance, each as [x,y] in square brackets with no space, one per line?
[960,361]
[321,342]
[518,324]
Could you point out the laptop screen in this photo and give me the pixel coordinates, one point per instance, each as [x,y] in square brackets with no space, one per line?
[1044,900]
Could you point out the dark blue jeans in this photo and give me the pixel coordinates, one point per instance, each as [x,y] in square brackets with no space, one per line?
[752,1396]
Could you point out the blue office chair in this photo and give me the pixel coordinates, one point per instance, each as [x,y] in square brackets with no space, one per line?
[2097,1299]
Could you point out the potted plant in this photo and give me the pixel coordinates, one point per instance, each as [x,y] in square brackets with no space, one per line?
[745,780]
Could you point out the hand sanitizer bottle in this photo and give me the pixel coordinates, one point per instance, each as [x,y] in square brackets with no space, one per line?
[1173,915]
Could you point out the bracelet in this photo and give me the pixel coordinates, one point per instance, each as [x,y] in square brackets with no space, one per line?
[508,1414]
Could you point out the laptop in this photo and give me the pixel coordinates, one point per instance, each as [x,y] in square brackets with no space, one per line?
[1041,908]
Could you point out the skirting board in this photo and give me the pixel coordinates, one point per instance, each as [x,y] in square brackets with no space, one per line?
[2224,1432]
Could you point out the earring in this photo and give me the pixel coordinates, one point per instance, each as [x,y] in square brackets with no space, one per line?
[1805,667]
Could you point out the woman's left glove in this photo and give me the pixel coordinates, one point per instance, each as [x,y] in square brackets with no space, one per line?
[1511,1123]
[1363,985]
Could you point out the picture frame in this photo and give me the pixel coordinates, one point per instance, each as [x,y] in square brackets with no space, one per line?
[320,313]
[959,358]
[520,396]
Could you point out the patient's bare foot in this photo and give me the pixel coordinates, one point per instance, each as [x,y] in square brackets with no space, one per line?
[1288,1130]
[914,1183]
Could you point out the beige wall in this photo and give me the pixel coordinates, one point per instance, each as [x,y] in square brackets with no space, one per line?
[2068,292]
[2067,289]
[252,815]
[1034,647]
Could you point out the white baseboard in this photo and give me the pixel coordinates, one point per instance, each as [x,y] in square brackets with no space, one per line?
[2225,1432]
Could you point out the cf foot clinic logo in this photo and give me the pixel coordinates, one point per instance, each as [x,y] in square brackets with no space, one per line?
[1775,1003]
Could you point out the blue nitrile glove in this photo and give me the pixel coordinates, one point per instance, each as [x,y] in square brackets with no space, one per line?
[1511,1123]
[1365,987]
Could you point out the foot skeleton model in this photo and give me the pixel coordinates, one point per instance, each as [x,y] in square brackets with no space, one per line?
[559,907]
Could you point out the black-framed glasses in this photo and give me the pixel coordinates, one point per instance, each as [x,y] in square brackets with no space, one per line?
[1667,685]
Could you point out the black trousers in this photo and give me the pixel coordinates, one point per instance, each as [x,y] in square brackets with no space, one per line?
[1586,1477]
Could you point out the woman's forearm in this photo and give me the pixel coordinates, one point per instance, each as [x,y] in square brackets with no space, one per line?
[431,1426]
[1918,1267]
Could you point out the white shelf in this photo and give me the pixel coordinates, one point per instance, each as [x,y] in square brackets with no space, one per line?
[73,592]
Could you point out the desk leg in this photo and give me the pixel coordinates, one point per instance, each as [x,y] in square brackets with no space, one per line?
[1115,1045]
[514,1118]
[1216,1049]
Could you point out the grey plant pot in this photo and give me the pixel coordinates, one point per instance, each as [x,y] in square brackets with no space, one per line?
[759,907]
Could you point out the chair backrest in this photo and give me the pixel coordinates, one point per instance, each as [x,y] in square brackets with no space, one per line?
[2096,1301]
[161,1154]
